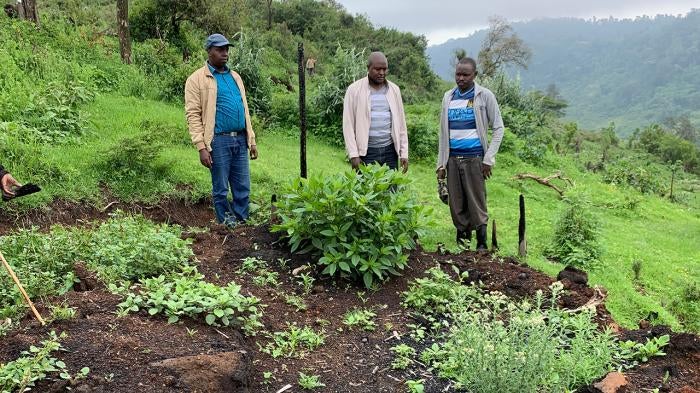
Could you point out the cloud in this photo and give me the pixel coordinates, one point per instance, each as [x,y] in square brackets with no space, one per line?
[439,20]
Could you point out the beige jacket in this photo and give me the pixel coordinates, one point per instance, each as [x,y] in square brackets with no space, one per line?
[356,119]
[200,107]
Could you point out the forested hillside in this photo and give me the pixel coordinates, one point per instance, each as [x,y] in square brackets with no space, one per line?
[631,72]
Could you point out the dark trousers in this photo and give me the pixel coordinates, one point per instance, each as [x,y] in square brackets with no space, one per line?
[467,193]
[382,156]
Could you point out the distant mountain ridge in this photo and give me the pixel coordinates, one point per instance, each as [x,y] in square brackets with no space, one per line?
[632,72]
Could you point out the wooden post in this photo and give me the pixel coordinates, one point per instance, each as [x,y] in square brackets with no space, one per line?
[522,241]
[21,289]
[494,240]
[302,111]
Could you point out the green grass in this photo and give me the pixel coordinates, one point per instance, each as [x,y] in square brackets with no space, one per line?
[663,235]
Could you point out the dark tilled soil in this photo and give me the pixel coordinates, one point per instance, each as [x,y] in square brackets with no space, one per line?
[139,353]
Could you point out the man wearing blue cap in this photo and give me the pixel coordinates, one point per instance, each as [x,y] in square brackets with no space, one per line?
[220,128]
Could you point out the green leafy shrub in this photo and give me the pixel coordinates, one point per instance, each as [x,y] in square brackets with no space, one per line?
[359,225]
[637,175]
[132,170]
[54,113]
[423,128]
[575,241]
[34,365]
[122,248]
[348,66]
[493,344]
[187,294]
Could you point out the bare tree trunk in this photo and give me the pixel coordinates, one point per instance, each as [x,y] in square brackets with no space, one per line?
[269,14]
[29,12]
[123,30]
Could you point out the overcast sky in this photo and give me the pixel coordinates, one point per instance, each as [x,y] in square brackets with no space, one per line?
[440,20]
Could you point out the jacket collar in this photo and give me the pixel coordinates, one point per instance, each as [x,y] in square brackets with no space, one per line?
[477,90]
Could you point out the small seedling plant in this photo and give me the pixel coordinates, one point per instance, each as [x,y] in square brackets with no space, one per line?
[309,382]
[35,365]
[187,295]
[293,342]
[403,356]
[361,318]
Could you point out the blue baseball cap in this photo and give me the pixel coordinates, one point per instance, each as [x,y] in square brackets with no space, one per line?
[216,40]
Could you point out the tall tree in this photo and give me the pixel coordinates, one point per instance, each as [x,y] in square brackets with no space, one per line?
[269,14]
[502,47]
[123,30]
[29,11]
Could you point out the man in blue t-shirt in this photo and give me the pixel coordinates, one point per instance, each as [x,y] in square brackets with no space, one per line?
[221,130]
[465,155]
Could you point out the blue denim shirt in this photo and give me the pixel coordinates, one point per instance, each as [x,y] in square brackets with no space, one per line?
[230,115]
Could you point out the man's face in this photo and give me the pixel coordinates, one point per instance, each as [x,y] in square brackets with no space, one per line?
[464,76]
[218,56]
[377,71]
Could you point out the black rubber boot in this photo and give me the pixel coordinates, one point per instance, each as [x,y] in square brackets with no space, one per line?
[464,238]
[481,238]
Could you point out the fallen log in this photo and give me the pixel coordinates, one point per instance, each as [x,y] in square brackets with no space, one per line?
[546,181]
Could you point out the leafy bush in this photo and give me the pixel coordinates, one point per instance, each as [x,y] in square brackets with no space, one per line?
[132,170]
[122,248]
[359,225]
[348,66]
[638,175]
[34,365]
[492,344]
[423,128]
[248,55]
[576,236]
[53,113]
[187,294]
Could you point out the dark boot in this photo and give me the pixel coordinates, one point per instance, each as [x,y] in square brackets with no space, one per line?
[464,238]
[481,238]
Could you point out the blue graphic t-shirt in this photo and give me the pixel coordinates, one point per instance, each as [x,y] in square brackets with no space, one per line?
[464,139]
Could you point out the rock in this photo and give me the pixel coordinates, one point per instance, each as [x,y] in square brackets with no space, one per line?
[611,383]
[318,289]
[574,275]
[88,279]
[83,388]
[222,372]
[686,389]
[522,276]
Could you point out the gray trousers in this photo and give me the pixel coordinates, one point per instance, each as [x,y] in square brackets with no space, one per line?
[467,193]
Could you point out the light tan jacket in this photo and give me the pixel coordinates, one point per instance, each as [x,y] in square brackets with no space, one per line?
[357,117]
[200,107]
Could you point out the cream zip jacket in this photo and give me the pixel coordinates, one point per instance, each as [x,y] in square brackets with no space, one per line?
[200,107]
[356,118]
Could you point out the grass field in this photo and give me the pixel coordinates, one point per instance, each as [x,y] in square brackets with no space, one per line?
[663,236]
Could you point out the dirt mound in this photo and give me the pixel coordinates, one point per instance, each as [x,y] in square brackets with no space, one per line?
[222,372]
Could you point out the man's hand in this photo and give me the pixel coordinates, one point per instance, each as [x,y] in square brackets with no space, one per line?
[404,164]
[9,184]
[486,170]
[205,158]
[355,162]
[441,173]
[253,152]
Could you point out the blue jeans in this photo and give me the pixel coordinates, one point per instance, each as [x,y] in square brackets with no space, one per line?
[382,156]
[230,167]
